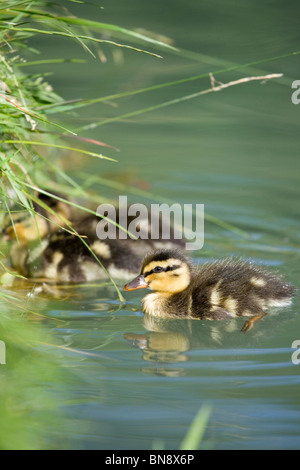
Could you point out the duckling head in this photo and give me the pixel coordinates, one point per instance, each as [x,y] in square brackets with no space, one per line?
[165,271]
[26,228]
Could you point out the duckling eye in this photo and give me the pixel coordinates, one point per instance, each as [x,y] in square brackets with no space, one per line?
[158,269]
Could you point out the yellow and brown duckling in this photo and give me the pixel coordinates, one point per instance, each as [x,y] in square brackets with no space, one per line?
[64,258]
[214,291]
[42,250]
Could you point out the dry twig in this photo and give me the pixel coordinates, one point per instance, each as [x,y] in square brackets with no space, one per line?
[221,85]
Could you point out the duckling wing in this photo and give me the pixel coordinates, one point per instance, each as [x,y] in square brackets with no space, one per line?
[208,302]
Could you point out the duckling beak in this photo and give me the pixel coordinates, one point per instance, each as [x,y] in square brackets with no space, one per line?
[137,283]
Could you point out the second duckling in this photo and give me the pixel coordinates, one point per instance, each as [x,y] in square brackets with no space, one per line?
[42,250]
[215,291]
[64,258]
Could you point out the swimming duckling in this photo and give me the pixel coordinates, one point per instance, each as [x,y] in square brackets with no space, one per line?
[43,250]
[215,291]
[64,258]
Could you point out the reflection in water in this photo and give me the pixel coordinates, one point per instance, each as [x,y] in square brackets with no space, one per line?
[172,341]
[162,348]
[168,341]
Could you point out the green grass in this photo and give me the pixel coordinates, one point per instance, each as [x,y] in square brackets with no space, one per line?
[195,433]
[24,97]
[31,145]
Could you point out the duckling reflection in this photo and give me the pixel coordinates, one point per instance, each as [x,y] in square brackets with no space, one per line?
[161,346]
[169,341]
[171,338]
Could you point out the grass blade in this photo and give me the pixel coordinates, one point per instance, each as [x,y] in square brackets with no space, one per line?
[196,431]
[63,147]
[115,29]
[87,38]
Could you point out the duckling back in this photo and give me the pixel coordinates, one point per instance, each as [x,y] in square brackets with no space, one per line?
[238,288]
[143,244]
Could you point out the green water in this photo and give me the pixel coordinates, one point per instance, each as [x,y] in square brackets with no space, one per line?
[237,152]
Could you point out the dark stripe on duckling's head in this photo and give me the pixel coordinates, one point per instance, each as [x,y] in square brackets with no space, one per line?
[160,269]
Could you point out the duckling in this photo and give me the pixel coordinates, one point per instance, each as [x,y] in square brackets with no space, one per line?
[45,251]
[215,291]
[66,259]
